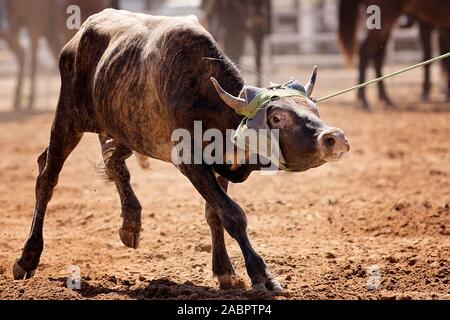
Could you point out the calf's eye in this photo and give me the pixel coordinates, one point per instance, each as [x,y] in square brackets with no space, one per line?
[276,119]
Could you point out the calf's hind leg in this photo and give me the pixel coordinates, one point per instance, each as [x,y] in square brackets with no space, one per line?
[114,156]
[63,140]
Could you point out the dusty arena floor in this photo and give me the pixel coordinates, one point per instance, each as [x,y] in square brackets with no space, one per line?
[382,214]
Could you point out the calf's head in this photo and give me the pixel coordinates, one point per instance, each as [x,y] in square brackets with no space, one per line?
[305,141]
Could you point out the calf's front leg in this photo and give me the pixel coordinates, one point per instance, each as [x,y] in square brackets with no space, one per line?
[234,221]
[63,140]
[221,264]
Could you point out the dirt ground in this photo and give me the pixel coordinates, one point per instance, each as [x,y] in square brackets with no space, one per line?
[381,214]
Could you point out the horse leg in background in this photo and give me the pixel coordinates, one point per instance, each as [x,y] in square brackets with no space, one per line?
[377,49]
[258,40]
[425,38]
[444,44]
[34,38]
[373,48]
[234,43]
[56,39]
[379,59]
[259,13]
[363,63]
[13,41]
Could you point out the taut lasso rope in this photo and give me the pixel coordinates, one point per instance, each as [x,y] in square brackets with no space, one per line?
[446,55]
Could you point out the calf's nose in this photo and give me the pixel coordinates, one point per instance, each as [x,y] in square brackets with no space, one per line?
[333,144]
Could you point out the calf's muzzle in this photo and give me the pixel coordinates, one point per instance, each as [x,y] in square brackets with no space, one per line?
[333,144]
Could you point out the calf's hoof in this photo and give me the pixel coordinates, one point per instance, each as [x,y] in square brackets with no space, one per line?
[20,273]
[269,285]
[130,238]
[227,282]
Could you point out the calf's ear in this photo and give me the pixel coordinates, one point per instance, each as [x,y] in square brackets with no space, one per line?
[311,83]
[296,85]
[249,93]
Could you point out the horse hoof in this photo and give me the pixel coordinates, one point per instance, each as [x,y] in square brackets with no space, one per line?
[227,282]
[363,104]
[425,98]
[129,238]
[20,273]
[389,106]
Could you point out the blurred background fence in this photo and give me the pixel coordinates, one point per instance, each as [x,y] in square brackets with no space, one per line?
[304,32]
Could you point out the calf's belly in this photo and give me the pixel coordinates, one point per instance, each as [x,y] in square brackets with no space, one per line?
[142,129]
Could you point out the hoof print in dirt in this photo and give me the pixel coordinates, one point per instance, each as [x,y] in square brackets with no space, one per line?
[227,282]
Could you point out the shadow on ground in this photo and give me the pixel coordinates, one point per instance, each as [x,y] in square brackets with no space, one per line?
[160,289]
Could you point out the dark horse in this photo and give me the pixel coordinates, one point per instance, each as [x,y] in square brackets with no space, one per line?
[231,21]
[46,19]
[426,31]
[435,13]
